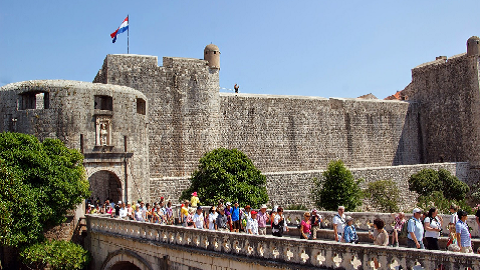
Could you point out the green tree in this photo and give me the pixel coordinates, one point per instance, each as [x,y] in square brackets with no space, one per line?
[230,175]
[39,183]
[438,188]
[337,187]
[59,255]
[384,195]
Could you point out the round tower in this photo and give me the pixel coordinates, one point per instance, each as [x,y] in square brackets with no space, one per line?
[212,55]
[473,46]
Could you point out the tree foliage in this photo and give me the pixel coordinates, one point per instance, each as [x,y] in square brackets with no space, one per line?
[426,181]
[384,195]
[39,183]
[59,255]
[337,187]
[439,189]
[230,175]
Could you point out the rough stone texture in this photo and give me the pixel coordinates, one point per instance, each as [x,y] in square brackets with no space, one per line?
[285,136]
[447,92]
[292,133]
[71,116]
[294,187]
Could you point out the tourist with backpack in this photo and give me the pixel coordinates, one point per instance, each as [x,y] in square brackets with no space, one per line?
[415,230]
[339,224]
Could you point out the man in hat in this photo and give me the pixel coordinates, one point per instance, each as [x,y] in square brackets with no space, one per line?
[194,201]
[252,224]
[245,215]
[415,230]
[262,219]
[228,213]
[464,239]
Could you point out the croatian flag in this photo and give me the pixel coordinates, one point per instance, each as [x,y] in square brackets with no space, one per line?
[123,27]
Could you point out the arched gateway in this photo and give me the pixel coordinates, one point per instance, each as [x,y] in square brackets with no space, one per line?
[105,185]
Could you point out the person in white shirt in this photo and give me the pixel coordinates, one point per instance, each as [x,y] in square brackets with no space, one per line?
[339,223]
[212,217]
[123,212]
[433,227]
[252,223]
[198,219]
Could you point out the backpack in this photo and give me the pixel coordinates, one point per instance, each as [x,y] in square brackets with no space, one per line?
[404,232]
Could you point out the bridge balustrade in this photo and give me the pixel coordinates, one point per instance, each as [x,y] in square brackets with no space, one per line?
[319,253]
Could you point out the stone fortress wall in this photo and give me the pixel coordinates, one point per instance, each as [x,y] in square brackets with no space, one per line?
[102,121]
[285,136]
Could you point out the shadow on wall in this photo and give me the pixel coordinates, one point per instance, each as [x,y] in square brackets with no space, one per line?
[410,146]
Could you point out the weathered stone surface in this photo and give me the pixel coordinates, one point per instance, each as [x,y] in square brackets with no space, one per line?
[176,114]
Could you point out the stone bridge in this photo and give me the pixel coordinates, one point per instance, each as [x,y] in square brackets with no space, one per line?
[119,244]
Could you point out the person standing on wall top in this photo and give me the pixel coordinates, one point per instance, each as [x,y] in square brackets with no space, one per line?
[415,230]
[339,223]
[262,218]
[194,201]
[463,233]
[236,88]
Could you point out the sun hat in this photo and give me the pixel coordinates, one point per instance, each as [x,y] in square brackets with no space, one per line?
[263,206]
[348,219]
[194,194]
[228,203]
[247,207]
[416,210]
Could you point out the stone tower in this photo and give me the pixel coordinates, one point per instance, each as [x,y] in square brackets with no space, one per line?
[212,55]
[473,46]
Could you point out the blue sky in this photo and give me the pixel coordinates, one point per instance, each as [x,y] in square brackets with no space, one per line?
[311,48]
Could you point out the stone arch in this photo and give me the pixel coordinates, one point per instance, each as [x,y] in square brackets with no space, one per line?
[105,184]
[125,258]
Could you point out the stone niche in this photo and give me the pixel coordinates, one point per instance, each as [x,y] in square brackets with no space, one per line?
[103,130]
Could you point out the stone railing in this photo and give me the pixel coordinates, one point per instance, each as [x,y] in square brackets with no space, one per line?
[319,253]
[364,220]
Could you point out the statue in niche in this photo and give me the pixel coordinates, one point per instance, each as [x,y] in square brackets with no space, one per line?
[104,134]
[103,130]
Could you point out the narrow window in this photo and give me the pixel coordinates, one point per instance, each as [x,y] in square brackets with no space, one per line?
[34,100]
[103,103]
[141,106]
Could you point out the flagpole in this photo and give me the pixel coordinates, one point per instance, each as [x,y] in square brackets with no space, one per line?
[128,35]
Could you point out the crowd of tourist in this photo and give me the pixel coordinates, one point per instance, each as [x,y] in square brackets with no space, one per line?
[421,231]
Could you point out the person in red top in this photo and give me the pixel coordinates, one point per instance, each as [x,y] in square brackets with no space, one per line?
[305,227]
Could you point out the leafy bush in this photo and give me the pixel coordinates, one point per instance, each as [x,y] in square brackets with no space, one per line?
[230,175]
[40,183]
[439,189]
[384,195]
[57,254]
[337,187]
[427,181]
